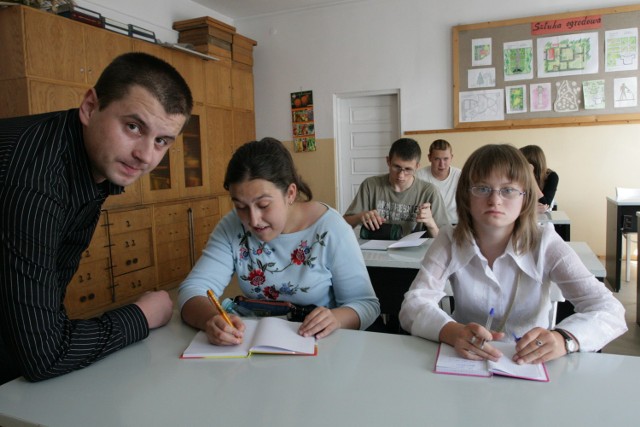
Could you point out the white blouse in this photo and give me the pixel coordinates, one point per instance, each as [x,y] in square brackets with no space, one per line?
[477,288]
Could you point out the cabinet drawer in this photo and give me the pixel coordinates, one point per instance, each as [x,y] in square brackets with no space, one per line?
[172,250]
[172,232]
[170,213]
[125,222]
[205,225]
[174,270]
[134,283]
[205,208]
[129,242]
[94,252]
[90,273]
[136,259]
[90,289]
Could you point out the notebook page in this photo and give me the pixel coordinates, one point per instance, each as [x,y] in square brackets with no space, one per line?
[506,366]
[200,346]
[276,335]
[449,362]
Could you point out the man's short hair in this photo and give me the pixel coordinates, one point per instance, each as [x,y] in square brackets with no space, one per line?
[405,149]
[153,74]
[440,145]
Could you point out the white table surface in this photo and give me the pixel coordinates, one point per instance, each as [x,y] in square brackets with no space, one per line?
[412,257]
[357,379]
[626,202]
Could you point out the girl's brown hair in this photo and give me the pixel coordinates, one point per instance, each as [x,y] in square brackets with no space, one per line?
[506,160]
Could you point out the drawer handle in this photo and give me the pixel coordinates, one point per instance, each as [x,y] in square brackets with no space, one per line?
[127,244]
[128,223]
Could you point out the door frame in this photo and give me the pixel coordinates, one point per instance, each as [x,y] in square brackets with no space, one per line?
[337,97]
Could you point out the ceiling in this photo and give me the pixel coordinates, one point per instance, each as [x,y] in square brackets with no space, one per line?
[239,9]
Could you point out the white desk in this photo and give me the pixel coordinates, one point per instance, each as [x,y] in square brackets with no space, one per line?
[357,378]
[621,217]
[560,221]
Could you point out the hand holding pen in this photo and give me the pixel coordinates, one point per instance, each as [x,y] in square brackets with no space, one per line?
[224,329]
[472,341]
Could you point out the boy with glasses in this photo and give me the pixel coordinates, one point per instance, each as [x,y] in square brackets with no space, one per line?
[398,197]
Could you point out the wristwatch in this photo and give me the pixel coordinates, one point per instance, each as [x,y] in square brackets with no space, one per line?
[569,343]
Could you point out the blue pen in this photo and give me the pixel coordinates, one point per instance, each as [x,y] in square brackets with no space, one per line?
[487,325]
[515,337]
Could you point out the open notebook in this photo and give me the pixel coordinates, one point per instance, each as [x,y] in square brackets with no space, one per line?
[449,362]
[269,335]
[408,241]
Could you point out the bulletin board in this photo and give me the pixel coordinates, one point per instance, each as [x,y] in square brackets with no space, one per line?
[571,68]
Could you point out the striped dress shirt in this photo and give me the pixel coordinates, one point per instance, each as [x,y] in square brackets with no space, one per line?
[49,208]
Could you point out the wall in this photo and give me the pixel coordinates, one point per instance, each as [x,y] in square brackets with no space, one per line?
[384,45]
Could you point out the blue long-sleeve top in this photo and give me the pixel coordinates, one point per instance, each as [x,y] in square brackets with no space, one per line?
[319,265]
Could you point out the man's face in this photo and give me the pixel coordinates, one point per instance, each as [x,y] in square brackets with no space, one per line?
[129,137]
[401,172]
[440,163]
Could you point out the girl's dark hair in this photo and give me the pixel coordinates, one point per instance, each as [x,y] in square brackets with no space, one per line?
[266,159]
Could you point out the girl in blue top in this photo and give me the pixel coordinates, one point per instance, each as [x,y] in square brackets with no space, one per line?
[283,246]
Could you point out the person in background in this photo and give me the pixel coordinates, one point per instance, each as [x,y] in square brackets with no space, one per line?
[398,197]
[283,246]
[441,174]
[56,170]
[546,179]
[501,263]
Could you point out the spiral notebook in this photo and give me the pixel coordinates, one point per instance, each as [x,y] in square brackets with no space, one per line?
[267,335]
[449,362]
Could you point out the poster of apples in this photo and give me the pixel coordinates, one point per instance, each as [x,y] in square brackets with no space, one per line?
[304,134]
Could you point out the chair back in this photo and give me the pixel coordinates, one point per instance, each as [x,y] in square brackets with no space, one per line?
[627,193]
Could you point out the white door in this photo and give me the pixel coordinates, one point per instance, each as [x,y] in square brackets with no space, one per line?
[366,126]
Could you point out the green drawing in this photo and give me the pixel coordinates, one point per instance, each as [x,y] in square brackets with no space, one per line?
[518,61]
[567,55]
[621,51]
[516,99]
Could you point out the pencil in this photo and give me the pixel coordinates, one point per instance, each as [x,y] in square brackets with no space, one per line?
[216,304]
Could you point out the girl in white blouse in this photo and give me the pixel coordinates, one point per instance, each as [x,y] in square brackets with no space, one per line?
[500,261]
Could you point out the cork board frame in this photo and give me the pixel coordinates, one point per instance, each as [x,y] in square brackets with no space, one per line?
[570,25]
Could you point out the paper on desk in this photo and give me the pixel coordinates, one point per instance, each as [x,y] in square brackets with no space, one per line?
[408,241]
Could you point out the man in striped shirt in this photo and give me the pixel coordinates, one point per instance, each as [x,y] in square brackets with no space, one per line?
[56,170]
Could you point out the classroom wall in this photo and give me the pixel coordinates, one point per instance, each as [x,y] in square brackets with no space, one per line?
[375,45]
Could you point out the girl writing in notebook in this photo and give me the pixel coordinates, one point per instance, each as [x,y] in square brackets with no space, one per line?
[500,264]
[283,247]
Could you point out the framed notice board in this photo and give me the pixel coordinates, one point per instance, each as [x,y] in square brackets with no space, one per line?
[572,68]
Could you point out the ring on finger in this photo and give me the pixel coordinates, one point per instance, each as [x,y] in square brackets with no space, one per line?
[473,340]
[539,343]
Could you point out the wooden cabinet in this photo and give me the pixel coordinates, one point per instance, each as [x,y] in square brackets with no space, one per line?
[150,236]
[90,288]
[69,51]
[218,78]
[183,231]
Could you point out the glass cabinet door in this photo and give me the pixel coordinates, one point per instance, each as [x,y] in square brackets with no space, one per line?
[183,170]
[194,174]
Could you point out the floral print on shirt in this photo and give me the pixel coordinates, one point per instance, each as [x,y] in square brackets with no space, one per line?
[259,266]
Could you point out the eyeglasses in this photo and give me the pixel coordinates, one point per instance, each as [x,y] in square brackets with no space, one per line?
[485,192]
[406,171]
